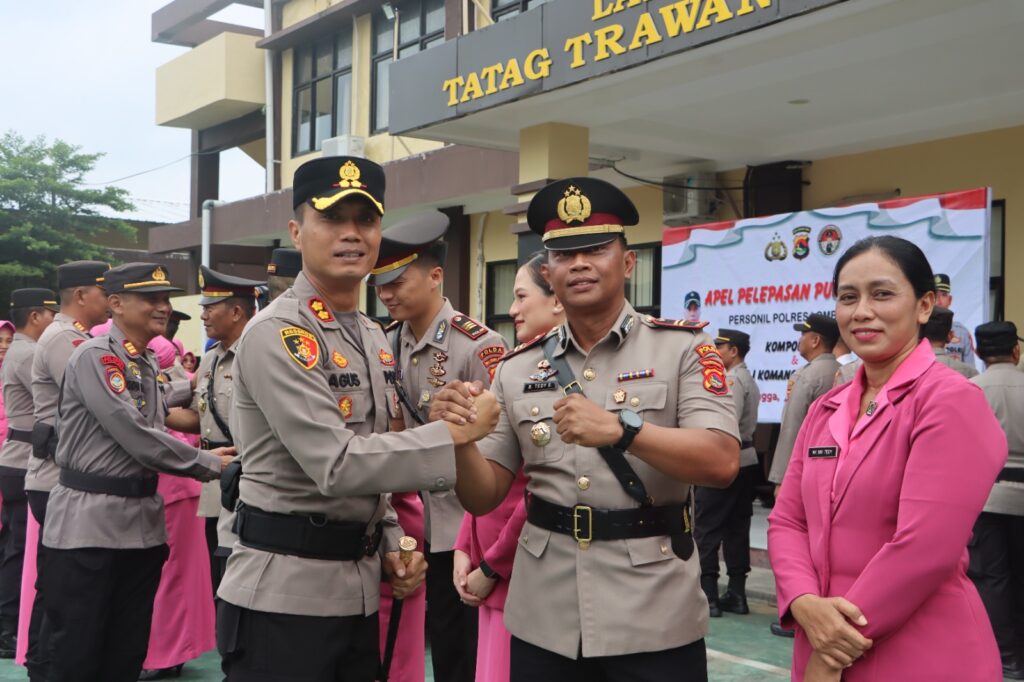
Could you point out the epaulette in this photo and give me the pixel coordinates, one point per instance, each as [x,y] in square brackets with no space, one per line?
[665,323]
[526,346]
[395,324]
[469,327]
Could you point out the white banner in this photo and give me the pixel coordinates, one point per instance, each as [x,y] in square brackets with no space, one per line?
[763,275]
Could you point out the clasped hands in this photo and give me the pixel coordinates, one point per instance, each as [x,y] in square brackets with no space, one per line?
[472,585]
[577,419]
[829,625]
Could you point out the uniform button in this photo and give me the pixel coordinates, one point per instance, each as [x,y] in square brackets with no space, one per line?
[207,432]
[589,374]
[635,402]
[534,411]
[441,482]
[526,538]
[583,483]
[664,548]
[425,397]
[415,361]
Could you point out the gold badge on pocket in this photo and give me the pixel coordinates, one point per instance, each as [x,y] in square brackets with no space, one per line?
[540,434]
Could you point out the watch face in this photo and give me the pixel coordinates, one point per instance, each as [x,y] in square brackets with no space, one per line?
[631,419]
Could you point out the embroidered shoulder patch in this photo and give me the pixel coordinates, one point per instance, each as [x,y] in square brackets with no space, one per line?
[320,309]
[386,358]
[469,327]
[302,346]
[665,323]
[115,379]
[491,356]
[713,369]
[113,360]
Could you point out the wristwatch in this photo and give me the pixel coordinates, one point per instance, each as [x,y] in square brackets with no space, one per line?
[631,423]
[488,571]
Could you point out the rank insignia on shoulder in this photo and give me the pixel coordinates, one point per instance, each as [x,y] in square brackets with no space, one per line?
[395,324]
[386,358]
[80,327]
[665,323]
[339,359]
[320,309]
[524,346]
[345,406]
[130,347]
[635,374]
[469,327]
[302,346]
[115,379]
[534,386]
[112,360]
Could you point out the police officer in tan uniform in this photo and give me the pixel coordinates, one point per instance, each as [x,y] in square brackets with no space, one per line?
[433,344]
[314,394]
[997,545]
[105,532]
[228,303]
[31,312]
[961,345]
[939,330]
[723,516]
[83,305]
[615,415]
[284,266]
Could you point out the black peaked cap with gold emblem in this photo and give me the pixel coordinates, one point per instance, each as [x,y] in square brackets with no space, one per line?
[216,286]
[943,283]
[81,273]
[285,263]
[578,213]
[325,181]
[137,278]
[34,298]
[733,336]
[404,242]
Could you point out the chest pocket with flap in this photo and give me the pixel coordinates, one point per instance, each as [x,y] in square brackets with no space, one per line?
[532,417]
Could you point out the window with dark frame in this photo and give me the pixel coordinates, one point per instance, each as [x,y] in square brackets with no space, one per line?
[997,262]
[643,289]
[506,9]
[501,280]
[420,26]
[322,91]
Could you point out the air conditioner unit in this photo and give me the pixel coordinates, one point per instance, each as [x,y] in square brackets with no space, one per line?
[689,199]
[345,145]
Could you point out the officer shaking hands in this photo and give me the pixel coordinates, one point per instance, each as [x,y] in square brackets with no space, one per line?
[105,533]
[314,395]
[615,416]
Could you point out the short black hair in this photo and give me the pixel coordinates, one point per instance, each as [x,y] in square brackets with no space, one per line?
[828,342]
[994,359]
[907,256]
[434,256]
[19,316]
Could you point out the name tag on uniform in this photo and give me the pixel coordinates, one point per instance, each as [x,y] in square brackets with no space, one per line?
[829,452]
[534,386]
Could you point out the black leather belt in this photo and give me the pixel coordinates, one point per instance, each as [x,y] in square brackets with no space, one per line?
[746,444]
[312,537]
[1015,474]
[123,486]
[586,524]
[207,444]
[19,435]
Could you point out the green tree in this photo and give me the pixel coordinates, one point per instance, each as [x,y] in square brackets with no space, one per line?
[47,215]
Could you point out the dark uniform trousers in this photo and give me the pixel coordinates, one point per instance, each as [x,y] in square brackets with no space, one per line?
[99,604]
[451,625]
[319,648]
[723,519]
[37,655]
[997,568]
[686,663]
[14,517]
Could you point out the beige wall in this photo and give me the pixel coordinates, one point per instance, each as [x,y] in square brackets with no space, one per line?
[499,244]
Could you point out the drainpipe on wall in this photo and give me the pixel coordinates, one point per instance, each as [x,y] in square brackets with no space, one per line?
[268,77]
[204,252]
[480,265]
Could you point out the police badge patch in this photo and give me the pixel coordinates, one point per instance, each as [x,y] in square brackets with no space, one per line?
[115,379]
[301,345]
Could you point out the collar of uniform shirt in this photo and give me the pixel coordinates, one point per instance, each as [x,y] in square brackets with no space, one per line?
[444,316]
[618,330]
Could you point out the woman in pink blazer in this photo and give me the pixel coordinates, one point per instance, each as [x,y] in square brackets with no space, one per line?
[486,545]
[868,538]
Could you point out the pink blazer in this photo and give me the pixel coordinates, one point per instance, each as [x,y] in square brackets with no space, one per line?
[494,537]
[885,523]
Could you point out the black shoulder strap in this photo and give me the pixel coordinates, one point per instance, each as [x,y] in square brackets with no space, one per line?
[396,350]
[211,399]
[613,457]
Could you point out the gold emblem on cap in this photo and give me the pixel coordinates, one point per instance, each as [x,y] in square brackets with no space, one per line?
[159,275]
[540,434]
[574,206]
[202,280]
[349,174]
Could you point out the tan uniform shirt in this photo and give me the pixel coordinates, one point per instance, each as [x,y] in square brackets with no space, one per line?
[1003,385]
[112,423]
[310,415]
[747,397]
[54,349]
[16,375]
[846,373]
[203,404]
[622,596]
[942,355]
[454,347]
[810,382]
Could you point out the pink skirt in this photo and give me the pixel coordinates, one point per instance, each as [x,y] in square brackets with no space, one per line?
[183,613]
[492,647]
[409,662]
[28,587]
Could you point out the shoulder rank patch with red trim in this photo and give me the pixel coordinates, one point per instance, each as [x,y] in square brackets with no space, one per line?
[491,356]
[115,379]
[80,327]
[665,323]
[469,327]
[130,347]
[713,369]
[302,346]
[77,342]
[113,360]
[321,310]
[525,346]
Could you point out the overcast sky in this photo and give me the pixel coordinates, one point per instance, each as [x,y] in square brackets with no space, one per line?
[85,72]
